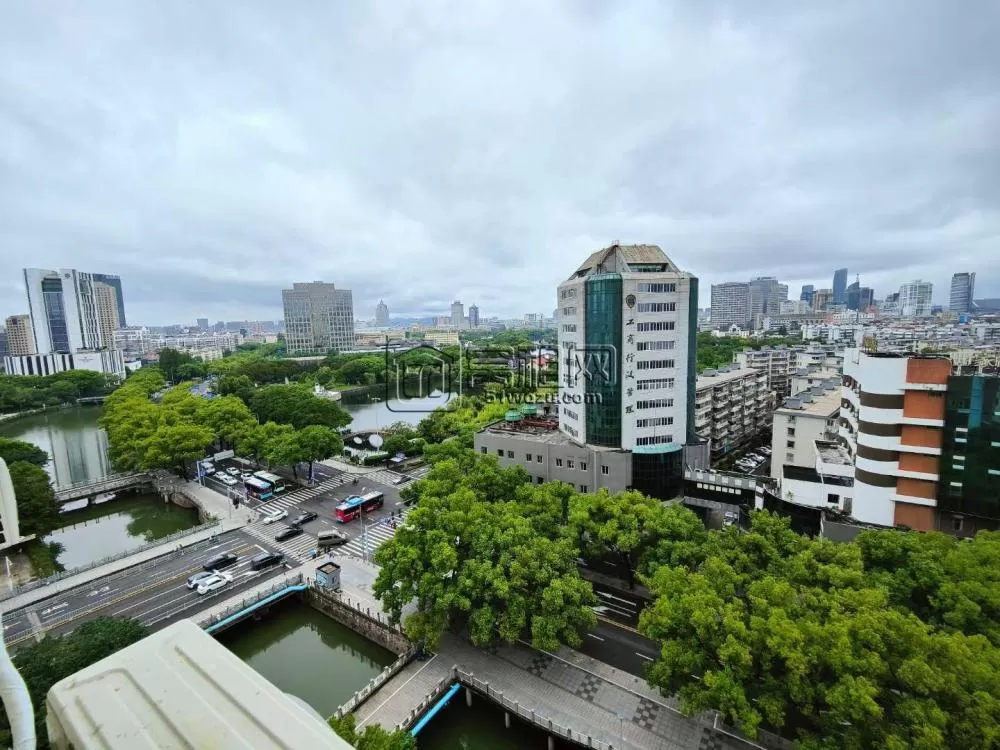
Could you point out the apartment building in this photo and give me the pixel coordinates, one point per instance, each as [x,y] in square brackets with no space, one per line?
[318,318]
[731,407]
[915,299]
[20,340]
[797,424]
[731,305]
[776,362]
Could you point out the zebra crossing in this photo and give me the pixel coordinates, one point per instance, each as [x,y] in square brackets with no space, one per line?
[377,533]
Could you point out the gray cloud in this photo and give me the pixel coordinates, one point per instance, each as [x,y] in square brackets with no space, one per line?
[420,151]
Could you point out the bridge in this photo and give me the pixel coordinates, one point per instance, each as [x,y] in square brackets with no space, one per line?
[84,400]
[111,483]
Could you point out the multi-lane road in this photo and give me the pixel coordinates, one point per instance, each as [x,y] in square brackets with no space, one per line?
[153,593]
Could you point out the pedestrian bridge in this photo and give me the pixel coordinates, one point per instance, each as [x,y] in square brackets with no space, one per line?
[111,483]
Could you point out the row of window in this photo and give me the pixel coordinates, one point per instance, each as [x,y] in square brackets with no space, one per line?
[654,422]
[569,327]
[570,413]
[654,440]
[656,307]
[538,458]
[654,383]
[654,403]
[569,311]
[567,293]
[654,346]
[656,325]
[654,364]
[655,287]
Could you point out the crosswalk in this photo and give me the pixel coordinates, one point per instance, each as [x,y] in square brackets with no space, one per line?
[376,533]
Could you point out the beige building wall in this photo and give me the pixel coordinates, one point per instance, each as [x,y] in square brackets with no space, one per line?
[106,300]
[20,339]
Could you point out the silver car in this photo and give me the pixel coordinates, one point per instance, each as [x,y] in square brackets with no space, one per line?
[196,580]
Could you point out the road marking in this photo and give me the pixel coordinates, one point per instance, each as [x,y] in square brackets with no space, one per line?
[620,626]
[54,609]
[595,637]
[262,549]
[643,656]
[606,595]
[102,590]
[362,723]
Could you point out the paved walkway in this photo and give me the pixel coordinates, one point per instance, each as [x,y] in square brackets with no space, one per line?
[217,505]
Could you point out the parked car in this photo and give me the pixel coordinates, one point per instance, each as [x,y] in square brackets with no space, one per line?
[195,580]
[765,450]
[214,583]
[266,560]
[233,471]
[287,533]
[246,474]
[730,518]
[227,480]
[270,516]
[304,517]
[219,562]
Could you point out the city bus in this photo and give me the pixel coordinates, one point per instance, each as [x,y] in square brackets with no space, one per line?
[258,488]
[355,505]
[276,482]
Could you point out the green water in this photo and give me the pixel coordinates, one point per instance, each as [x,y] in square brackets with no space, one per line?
[307,654]
[119,525]
[481,727]
[77,447]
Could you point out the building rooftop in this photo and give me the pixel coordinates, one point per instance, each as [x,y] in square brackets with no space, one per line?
[711,378]
[179,688]
[617,258]
[818,401]
[530,431]
[833,453]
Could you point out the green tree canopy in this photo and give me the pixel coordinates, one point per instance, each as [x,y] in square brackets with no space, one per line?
[297,406]
[318,443]
[12,450]
[236,385]
[374,737]
[37,509]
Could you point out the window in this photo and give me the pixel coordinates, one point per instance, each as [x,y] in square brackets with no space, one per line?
[510,454]
[583,466]
[558,462]
[569,311]
[790,444]
[654,422]
[833,499]
[527,457]
[655,288]
[653,384]
[995,443]
[656,307]
[650,346]
[483,449]
[569,463]
[583,488]
[500,452]
[957,523]
[958,467]
[538,458]
[605,470]
[567,293]
[569,327]
[961,440]
[538,480]
[654,440]
[655,325]
[791,432]
[993,472]
[654,403]
[789,457]
[654,364]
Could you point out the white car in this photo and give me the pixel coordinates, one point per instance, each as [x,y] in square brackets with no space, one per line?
[199,578]
[226,480]
[233,471]
[270,516]
[214,583]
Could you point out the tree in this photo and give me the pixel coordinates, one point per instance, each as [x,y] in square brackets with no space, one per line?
[318,443]
[256,442]
[624,524]
[174,446]
[286,451]
[236,385]
[228,417]
[170,360]
[297,406]
[374,737]
[37,509]
[18,450]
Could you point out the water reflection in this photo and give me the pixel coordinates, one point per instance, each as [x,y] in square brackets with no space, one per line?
[77,447]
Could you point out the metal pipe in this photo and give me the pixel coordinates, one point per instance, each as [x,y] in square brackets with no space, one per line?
[16,700]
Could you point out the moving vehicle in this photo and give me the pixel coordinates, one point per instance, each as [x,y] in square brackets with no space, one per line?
[330,538]
[270,516]
[221,561]
[208,467]
[287,533]
[214,583]
[233,471]
[195,580]
[276,482]
[355,505]
[266,560]
[305,517]
[246,474]
[258,489]
[226,480]
[402,480]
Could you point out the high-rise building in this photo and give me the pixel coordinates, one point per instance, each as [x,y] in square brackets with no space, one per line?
[382,315]
[765,299]
[858,297]
[63,310]
[730,305]
[822,298]
[115,282]
[202,324]
[318,318]
[963,286]
[20,340]
[106,300]
[915,299]
[782,293]
[807,293]
[839,285]
[458,314]
[473,316]
[4,349]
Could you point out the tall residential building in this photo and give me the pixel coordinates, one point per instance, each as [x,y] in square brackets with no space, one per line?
[963,286]
[915,299]
[106,300]
[63,310]
[458,314]
[839,285]
[20,340]
[822,298]
[765,298]
[382,315]
[730,305]
[202,324]
[782,293]
[115,282]
[807,293]
[731,407]
[473,316]
[318,318]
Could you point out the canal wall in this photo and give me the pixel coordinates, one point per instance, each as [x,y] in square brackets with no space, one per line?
[372,624]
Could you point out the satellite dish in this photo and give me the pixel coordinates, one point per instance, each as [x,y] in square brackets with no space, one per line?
[376,441]
[358,440]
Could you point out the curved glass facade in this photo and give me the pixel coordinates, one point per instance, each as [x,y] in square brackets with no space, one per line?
[659,475]
[602,359]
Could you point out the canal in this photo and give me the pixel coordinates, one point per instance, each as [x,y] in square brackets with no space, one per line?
[307,654]
[372,411]
[481,727]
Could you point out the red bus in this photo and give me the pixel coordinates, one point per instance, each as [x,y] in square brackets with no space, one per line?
[354,506]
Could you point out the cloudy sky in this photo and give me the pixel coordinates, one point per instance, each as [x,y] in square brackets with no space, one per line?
[212,152]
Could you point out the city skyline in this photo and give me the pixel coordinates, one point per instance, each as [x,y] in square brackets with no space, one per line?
[211,174]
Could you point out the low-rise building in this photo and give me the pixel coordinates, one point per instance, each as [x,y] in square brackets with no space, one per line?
[731,407]
[108,361]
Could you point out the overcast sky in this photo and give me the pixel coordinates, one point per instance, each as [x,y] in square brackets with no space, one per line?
[212,152]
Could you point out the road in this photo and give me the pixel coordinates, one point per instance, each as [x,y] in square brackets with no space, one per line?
[153,593]
[620,647]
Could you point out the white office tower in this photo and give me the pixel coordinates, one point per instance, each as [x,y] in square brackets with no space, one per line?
[318,318]
[963,286]
[915,299]
[63,309]
[458,314]
[627,327]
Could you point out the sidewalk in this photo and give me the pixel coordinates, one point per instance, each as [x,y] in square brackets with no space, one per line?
[116,566]
[349,468]
[220,506]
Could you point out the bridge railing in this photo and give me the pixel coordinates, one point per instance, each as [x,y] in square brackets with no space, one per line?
[42,582]
[95,483]
[250,600]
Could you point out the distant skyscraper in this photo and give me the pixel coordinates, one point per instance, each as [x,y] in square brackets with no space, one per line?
[730,305]
[203,323]
[107,313]
[20,340]
[115,283]
[473,316]
[963,286]
[381,315]
[839,285]
[765,298]
[915,299]
[457,314]
[807,293]
[822,298]
[318,318]
[858,297]
[782,293]
[63,310]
